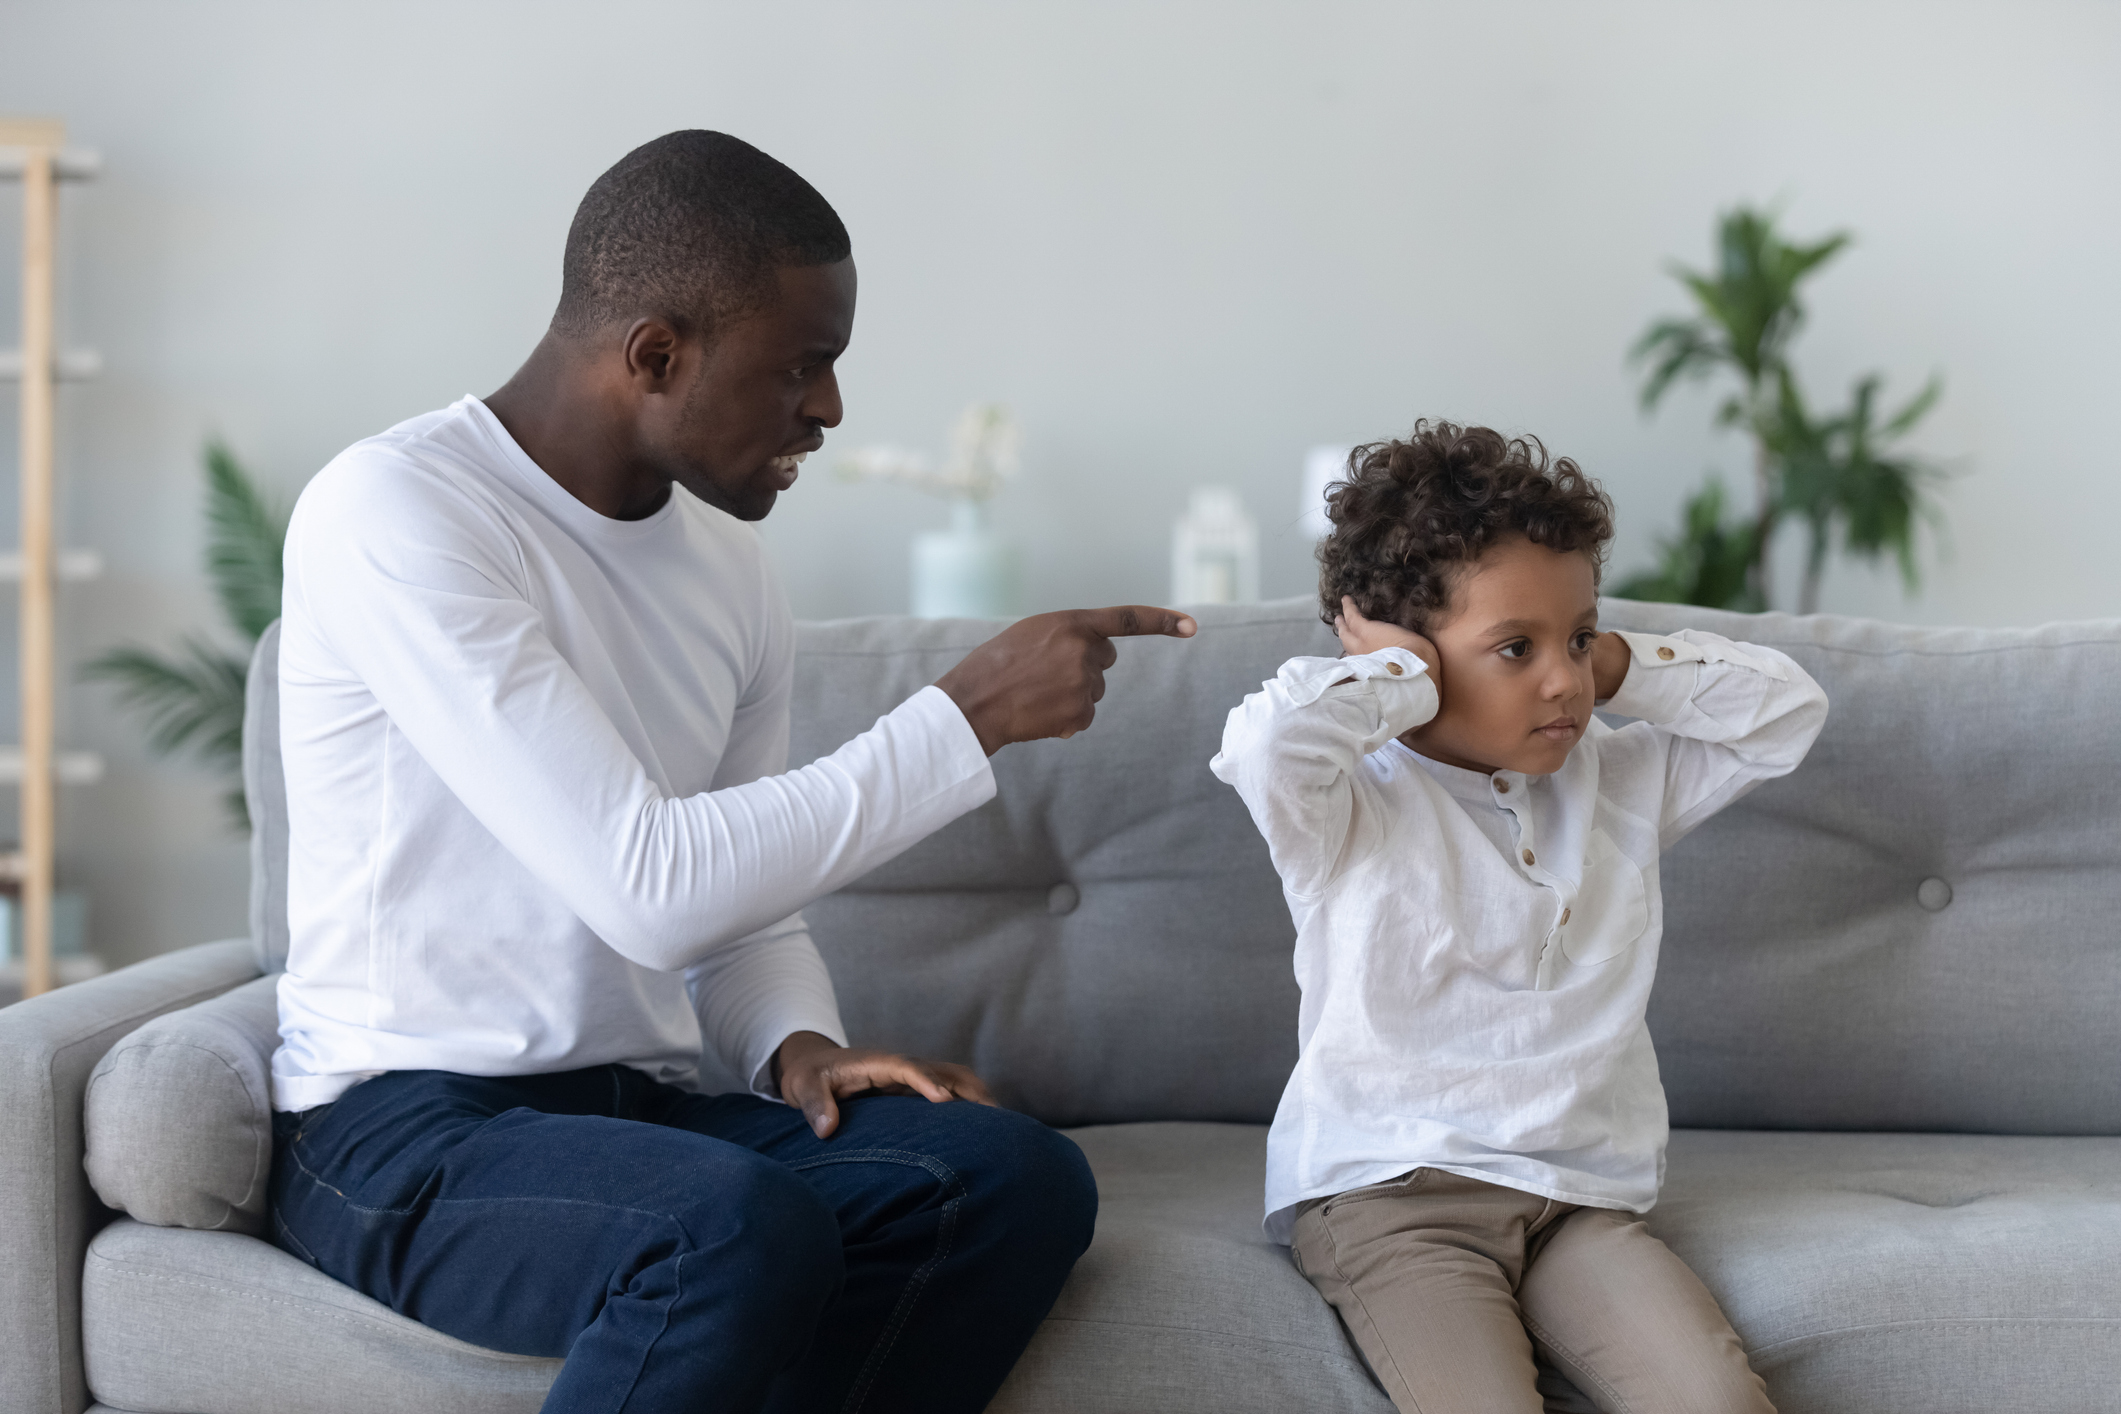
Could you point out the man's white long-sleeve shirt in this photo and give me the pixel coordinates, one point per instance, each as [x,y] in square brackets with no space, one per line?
[1475,951]
[537,812]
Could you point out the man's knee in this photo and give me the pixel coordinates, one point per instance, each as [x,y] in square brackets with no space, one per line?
[1036,1183]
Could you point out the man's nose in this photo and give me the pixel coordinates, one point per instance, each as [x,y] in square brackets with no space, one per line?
[823,405]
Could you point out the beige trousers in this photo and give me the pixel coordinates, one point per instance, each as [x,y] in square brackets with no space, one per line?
[1446,1282]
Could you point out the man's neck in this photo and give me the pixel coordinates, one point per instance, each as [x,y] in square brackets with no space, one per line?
[564,417]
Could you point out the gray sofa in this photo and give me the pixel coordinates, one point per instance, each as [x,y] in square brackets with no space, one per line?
[1889,1020]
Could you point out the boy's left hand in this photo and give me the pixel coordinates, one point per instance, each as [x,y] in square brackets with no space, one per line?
[1610,657]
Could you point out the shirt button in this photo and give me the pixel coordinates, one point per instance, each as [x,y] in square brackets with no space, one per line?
[1395,670]
[1666,654]
[1502,786]
[1528,857]
[1564,918]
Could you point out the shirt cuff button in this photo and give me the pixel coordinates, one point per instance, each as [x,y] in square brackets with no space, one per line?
[1666,654]
[1394,669]
[1528,858]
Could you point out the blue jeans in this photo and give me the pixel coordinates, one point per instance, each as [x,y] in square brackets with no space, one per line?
[690,1252]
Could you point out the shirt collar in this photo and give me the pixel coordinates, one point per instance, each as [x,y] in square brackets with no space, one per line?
[1473,787]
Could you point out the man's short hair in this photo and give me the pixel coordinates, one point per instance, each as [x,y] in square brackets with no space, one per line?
[1412,515]
[689,228]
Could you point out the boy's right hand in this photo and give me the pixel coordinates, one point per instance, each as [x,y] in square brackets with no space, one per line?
[1361,635]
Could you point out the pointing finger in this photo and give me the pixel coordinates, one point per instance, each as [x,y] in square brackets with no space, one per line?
[1137,620]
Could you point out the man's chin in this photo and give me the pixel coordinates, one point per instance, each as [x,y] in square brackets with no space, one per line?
[752,502]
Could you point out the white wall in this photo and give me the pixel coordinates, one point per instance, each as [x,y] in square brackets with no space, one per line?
[1185,241]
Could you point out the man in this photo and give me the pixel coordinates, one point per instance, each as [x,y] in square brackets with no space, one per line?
[545,862]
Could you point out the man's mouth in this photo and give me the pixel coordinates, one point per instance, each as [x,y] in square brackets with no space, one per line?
[783,468]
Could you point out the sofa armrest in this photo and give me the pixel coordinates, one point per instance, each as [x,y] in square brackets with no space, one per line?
[48,1046]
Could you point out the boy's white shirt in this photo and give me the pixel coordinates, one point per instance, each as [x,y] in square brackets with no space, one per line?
[1476,952]
[539,809]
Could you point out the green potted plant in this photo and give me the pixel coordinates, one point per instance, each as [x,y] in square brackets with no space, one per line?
[1838,470]
[192,699]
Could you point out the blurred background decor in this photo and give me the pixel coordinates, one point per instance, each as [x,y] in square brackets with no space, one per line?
[190,700]
[1215,550]
[966,571]
[1829,471]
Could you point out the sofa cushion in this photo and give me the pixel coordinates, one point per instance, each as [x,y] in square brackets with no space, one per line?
[178,1117]
[1182,1305]
[1873,1274]
[1909,1273]
[177,1322]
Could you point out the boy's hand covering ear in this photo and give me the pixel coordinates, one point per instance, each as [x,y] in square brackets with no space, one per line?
[1360,635]
[814,1074]
[1610,659]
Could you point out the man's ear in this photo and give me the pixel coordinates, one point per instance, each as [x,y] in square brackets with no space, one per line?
[652,349]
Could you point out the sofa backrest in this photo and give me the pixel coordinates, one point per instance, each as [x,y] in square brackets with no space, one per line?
[1920,929]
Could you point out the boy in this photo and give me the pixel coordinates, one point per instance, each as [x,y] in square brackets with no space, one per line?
[1475,1119]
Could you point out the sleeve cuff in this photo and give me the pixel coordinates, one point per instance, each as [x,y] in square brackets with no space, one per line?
[956,753]
[1652,692]
[1307,679]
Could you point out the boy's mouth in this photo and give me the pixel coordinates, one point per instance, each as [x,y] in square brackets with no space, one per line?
[1560,729]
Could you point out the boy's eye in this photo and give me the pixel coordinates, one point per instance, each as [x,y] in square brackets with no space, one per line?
[1585,639]
[1516,648]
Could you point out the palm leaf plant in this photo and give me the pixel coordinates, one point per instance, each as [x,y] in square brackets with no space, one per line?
[1708,562]
[1828,470]
[191,700]
[1842,469]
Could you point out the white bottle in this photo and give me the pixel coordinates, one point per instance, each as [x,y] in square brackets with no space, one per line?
[1214,550]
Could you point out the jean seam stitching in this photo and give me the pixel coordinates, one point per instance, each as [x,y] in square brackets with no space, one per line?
[1574,1361]
[677,1295]
[902,1313]
[1340,1271]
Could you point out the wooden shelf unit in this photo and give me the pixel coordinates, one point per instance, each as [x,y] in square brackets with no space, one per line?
[32,151]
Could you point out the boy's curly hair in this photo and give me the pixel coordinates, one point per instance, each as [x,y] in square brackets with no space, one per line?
[1410,515]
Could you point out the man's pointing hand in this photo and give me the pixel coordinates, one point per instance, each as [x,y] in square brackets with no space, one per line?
[1043,676]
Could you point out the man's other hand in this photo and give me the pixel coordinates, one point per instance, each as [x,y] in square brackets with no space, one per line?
[1043,676]
[814,1073]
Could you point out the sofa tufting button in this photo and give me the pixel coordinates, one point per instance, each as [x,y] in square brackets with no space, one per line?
[1062,898]
[1933,894]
